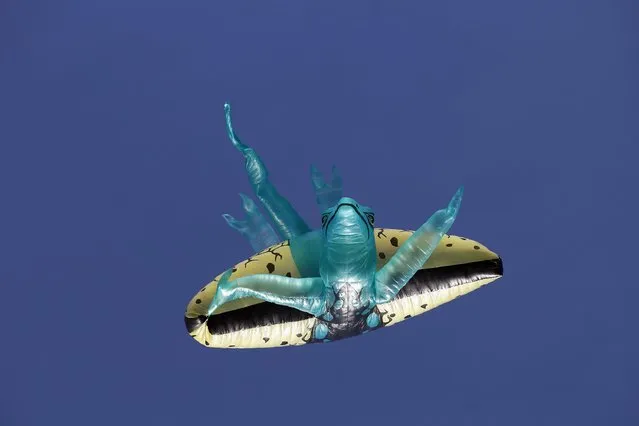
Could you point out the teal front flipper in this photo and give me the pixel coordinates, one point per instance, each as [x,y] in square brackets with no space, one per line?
[305,294]
[326,195]
[412,255]
[255,228]
[287,221]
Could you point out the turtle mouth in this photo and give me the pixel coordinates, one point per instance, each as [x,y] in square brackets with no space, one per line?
[362,218]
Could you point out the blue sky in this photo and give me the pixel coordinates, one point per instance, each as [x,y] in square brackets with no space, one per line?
[115,171]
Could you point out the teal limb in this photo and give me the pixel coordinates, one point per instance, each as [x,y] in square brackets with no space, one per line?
[255,227]
[326,194]
[305,294]
[320,331]
[306,250]
[412,255]
[372,321]
[222,283]
[288,222]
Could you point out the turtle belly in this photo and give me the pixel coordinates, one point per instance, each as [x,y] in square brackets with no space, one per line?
[347,316]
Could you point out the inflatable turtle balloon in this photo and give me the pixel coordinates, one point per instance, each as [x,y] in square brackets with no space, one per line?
[341,280]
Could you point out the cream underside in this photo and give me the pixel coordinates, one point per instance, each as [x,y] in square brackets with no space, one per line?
[268,336]
[413,305]
[393,313]
[278,260]
[452,250]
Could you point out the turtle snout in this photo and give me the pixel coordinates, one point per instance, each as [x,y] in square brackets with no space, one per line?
[347,225]
[348,201]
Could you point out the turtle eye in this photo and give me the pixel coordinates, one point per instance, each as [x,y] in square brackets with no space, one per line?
[371,218]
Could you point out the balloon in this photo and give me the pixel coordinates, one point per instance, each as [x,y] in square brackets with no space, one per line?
[341,280]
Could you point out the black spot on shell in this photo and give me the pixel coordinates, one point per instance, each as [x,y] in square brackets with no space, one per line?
[394,241]
[464,239]
[266,339]
[270,267]
[198,301]
[206,342]
[407,316]
[203,289]
[288,274]
[424,305]
[231,346]
[284,343]
[392,315]
[476,247]
[299,334]
[234,270]
[449,245]
[382,255]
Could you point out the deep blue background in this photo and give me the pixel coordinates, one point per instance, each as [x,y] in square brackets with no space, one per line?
[115,170]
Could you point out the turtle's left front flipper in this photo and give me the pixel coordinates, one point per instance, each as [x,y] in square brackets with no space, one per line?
[412,255]
[305,294]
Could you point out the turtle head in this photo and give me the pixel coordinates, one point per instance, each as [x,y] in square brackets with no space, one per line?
[349,243]
[348,223]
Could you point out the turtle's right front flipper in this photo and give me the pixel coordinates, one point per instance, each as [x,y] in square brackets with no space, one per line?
[412,255]
[287,221]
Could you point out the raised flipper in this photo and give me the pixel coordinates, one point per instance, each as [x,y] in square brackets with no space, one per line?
[326,195]
[412,255]
[287,221]
[255,228]
[305,294]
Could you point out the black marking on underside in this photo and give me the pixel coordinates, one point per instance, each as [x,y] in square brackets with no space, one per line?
[424,281]
[193,324]
[273,250]
[435,279]
[260,315]
[249,260]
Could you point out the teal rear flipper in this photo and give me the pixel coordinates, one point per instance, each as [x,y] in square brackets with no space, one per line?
[255,228]
[288,222]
